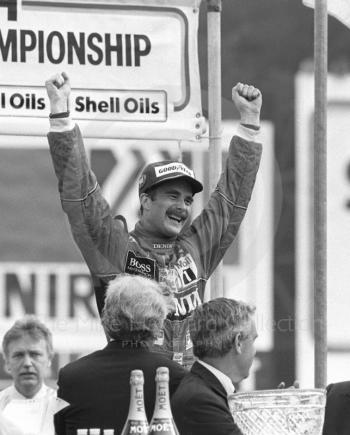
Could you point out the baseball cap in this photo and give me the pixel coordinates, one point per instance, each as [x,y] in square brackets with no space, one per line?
[158,172]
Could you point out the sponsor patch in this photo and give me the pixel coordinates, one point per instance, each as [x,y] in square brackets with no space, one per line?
[188,276]
[173,168]
[187,269]
[163,245]
[187,302]
[140,265]
[170,278]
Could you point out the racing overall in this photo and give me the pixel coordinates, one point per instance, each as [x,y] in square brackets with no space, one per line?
[183,263]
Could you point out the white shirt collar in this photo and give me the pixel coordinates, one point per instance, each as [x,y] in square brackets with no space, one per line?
[37,412]
[15,394]
[224,380]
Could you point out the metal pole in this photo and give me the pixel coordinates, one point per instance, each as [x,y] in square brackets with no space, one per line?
[320,183]
[214,109]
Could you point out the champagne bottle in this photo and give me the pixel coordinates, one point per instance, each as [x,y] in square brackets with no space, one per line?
[136,422]
[162,422]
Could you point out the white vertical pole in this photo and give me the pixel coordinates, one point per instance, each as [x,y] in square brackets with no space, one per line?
[214,107]
[320,183]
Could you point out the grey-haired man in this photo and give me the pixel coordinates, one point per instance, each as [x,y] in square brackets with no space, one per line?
[28,404]
[160,246]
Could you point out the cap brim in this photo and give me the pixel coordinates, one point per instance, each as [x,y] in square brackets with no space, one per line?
[195,184]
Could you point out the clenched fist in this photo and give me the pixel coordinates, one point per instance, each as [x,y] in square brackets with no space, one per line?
[58,90]
[248,101]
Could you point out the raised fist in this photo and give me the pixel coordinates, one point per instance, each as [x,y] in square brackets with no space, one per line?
[58,90]
[248,101]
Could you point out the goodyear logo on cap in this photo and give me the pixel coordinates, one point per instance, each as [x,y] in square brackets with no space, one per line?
[173,168]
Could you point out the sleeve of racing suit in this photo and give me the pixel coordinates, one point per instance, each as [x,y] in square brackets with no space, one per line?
[215,228]
[100,238]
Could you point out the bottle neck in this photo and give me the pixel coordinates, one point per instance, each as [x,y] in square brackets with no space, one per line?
[137,405]
[162,406]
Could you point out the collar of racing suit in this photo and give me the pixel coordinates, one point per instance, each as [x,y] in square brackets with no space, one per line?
[165,250]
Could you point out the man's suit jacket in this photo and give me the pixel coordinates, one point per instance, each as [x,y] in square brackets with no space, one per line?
[337,417]
[200,405]
[97,387]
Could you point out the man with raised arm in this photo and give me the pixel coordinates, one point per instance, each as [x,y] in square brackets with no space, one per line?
[161,246]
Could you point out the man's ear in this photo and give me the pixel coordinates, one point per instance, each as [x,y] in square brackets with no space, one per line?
[145,201]
[238,342]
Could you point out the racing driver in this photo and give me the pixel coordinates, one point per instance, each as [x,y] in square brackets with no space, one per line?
[160,246]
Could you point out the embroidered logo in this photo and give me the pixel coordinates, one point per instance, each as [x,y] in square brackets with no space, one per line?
[173,168]
[187,302]
[140,265]
[163,245]
[187,269]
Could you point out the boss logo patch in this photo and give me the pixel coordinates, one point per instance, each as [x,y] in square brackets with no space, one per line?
[140,265]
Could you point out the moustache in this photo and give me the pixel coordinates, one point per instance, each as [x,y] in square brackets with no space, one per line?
[180,214]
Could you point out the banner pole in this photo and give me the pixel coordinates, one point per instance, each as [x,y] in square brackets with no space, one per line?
[214,115]
[320,192]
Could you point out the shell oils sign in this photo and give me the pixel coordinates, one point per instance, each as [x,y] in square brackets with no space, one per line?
[133,66]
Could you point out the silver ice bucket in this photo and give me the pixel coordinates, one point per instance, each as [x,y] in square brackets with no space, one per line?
[279,412]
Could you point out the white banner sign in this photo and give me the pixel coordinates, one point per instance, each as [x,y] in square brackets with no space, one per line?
[133,67]
[60,294]
[338,227]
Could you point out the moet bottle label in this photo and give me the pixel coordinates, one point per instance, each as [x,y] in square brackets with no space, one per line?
[162,426]
[136,427]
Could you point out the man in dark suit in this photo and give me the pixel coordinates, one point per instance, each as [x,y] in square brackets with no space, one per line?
[223,333]
[337,417]
[97,386]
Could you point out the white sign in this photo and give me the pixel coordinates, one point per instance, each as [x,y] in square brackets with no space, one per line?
[60,294]
[127,63]
[338,228]
[112,105]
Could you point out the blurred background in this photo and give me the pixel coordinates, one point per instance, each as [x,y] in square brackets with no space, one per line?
[268,43]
